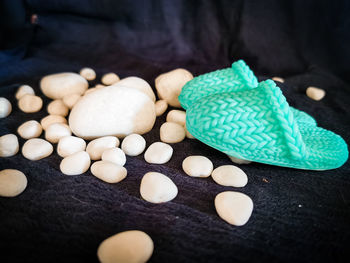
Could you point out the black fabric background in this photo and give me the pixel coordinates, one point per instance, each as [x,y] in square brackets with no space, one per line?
[299,216]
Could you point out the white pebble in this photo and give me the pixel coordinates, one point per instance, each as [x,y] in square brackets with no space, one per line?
[188,134]
[36,149]
[229,175]
[12,182]
[234,207]
[30,103]
[8,145]
[160,106]
[139,84]
[96,147]
[197,166]
[88,73]
[30,129]
[51,119]
[177,116]
[171,132]
[133,144]
[278,79]
[71,99]
[157,188]
[23,90]
[108,171]
[114,155]
[57,107]
[56,131]
[70,144]
[158,153]
[5,107]
[131,246]
[110,79]
[315,93]
[77,163]
[238,161]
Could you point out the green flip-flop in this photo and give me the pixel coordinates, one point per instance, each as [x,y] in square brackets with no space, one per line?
[237,78]
[258,125]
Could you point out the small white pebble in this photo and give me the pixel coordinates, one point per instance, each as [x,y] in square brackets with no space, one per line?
[237,160]
[5,107]
[23,90]
[70,144]
[30,103]
[36,149]
[8,145]
[160,106]
[114,155]
[108,171]
[71,99]
[188,134]
[57,107]
[229,175]
[131,246]
[30,129]
[51,119]
[177,116]
[77,163]
[172,132]
[96,147]
[234,207]
[158,153]
[110,79]
[56,131]
[315,93]
[278,79]
[100,86]
[12,182]
[133,144]
[157,188]
[197,166]
[88,73]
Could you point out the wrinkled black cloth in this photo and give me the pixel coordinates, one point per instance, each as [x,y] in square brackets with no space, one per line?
[299,216]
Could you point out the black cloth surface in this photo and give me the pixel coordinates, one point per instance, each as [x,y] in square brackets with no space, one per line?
[299,216]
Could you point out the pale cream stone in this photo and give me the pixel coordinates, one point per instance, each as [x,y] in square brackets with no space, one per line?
[169,85]
[88,73]
[229,175]
[278,79]
[110,79]
[114,155]
[96,147]
[157,188]
[57,107]
[197,166]
[23,90]
[69,145]
[36,149]
[30,103]
[76,163]
[315,93]
[133,144]
[8,145]
[56,86]
[51,119]
[177,116]
[234,207]
[12,182]
[237,160]
[56,131]
[137,83]
[30,129]
[88,91]
[131,246]
[99,86]
[5,107]
[158,153]
[71,99]
[108,171]
[160,106]
[188,134]
[171,132]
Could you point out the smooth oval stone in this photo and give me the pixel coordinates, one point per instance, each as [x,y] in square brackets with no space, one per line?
[157,188]
[88,73]
[51,119]
[30,103]
[12,182]
[56,86]
[197,166]
[56,131]
[117,111]
[229,175]
[23,90]
[160,106]
[77,163]
[5,107]
[36,149]
[137,83]
[71,99]
[57,107]
[90,91]
[171,132]
[70,144]
[177,116]
[110,79]
[234,207]
[133,144]
[108,171]
[131,246]
[238,161]
[114,155]
[278,79]
[158,153]
[315,93]
[96,147]
[8,145]
[30,129]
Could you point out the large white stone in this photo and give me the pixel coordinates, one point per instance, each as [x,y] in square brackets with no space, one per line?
[229,175]
[137,83]
[113,110]
[96,147]
[12,182]
[158,153]
[108,171]
[70,144]
[5,107]
[30,129]
[36,149]
[8,145]
[197,166]
[77,163]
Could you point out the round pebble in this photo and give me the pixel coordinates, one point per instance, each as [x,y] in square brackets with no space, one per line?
[114,155]
[36,149]
[23,90]
[171,132]
[157,188]
[238,161]
[57,107]
[96,147]
[8,145]
[133,144]
[77,163]
[88,73]
[229,175]
[56,131]
[12,182]
[197,166]
[315,93]
[234,207]
[71,99]
[158,153]
[30,103]
[30,129]
[177,116]
[90,91]
[69,145]
[99,86]
[278,79]
[160,106]
[108,171]
[51,119]
[131,246]
[110,79]
[5,107]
